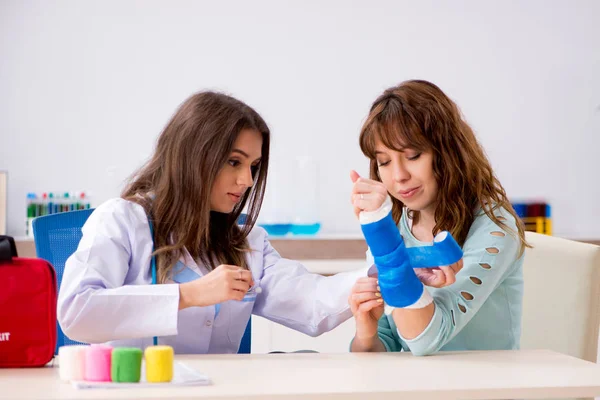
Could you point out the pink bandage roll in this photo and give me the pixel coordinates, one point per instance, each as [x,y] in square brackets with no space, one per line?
[97,363]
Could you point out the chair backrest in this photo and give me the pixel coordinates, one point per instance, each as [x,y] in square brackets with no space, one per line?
[561,305]
[57,236]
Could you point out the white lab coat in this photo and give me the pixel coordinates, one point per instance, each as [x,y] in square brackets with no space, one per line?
[106,293]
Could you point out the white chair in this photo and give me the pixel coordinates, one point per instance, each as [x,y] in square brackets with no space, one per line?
[561,305]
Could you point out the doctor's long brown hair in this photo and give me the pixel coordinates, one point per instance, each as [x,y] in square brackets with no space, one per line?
[417,114]
[174,186]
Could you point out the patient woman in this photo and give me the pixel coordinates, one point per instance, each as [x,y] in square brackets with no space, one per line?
[429,174]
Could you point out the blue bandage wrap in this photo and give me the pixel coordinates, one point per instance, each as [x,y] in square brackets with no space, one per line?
[399,284]
[383,236]
[441,253]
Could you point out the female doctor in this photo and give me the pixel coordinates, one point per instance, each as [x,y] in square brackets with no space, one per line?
[211,274]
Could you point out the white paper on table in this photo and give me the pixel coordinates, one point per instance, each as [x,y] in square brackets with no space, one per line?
[182,376]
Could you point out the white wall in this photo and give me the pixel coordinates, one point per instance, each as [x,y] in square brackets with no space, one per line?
[86,87]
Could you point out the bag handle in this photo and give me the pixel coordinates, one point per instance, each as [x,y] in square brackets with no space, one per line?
[8,249]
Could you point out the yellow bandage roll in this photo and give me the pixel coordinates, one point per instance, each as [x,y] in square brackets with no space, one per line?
[159,364]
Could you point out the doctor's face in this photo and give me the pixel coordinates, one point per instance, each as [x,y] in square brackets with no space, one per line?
[237,175]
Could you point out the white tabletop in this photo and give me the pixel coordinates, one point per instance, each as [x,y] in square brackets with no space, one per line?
[465,375]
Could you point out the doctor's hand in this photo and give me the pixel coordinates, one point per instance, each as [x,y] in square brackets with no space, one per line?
[367,194]
[367,307]
[226,282]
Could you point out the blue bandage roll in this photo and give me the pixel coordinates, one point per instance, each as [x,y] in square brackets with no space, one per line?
[444,251]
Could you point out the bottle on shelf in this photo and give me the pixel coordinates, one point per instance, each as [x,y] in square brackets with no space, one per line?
[306,219]
[274,215]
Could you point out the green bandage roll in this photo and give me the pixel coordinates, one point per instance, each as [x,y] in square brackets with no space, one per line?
[126,364]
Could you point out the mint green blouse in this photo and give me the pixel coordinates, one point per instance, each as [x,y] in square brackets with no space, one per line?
[482,309]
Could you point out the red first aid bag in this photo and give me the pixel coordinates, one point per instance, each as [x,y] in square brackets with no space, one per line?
[27,309]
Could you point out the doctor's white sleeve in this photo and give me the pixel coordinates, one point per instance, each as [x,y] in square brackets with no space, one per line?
[304,301]
[94,304]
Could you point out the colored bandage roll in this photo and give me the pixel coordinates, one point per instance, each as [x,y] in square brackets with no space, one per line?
[71,362]
[97,363]
[444,251]
[126,364]
[159,364]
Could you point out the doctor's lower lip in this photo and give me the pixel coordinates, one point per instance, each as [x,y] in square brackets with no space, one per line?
[234,198]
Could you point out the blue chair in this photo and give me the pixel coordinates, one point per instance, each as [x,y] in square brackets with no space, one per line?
[57,237]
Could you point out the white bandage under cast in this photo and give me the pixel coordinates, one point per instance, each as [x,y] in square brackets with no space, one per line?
[368,217]
[423,302]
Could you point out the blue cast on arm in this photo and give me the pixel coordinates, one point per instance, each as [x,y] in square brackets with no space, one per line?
[399,284]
